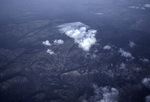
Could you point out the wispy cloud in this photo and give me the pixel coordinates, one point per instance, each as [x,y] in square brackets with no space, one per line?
[125,53]
[134,7]
[145,60]
[46,43]
[137,69]
[131,44]
[100,14]
[147,5]
[143,7]
[81,33]
[122,66]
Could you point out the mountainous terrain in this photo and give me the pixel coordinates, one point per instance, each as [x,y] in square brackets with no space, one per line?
[74,51]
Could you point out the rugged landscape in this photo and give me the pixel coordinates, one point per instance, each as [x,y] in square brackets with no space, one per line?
[39,63]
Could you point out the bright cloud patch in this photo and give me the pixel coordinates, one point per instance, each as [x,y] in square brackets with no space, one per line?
[147,5]
[145,60]
[125,53]
[147,98]
[103,94]
[46,43]
[122,66]
[143,7]
[50,51]
[81,34]
[137,7]
[100,14]
[146,82]
[107,47]
[131,44]
[58,41]
[109,95]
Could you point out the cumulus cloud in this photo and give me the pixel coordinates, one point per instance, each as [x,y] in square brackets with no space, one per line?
[46,43]
[103,94]
[107,47]
[125,53]
[131,44]
[147,98]
[59,41]
[122,66]
[81,33]
[147,5]
[109,95]
[50,51]
[146,82]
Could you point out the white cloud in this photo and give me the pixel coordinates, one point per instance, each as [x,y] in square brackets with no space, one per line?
[140,7]
[46,43]
[107,47]
[125,53]
[50,51]
[103,94]
[110,95]
[131,44]
[81,34]
[122,66]
[147,98]
[145,60]
[146,82]
[59,41]
[100,14]
[147,5]
[134,7]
